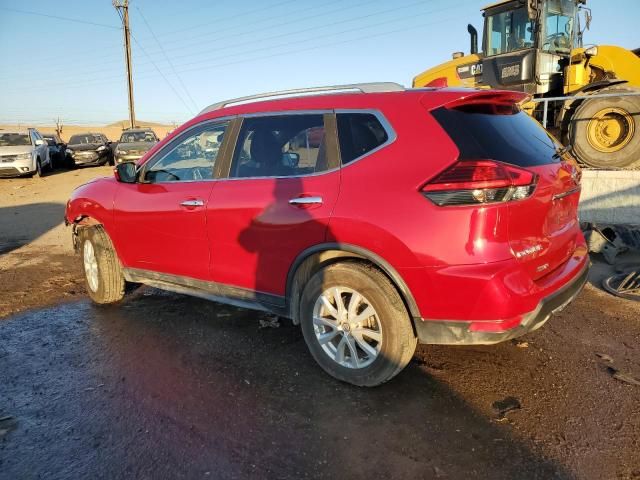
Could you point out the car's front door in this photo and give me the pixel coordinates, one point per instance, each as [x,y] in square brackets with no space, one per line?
[161,220]
[282,185]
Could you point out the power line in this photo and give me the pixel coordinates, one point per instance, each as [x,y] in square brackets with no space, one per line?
[288,52]
[57,17]
[318,27]
[163,76]
[226,37]
[186,90]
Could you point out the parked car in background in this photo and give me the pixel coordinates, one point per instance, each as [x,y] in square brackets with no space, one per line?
[134,143]
[23,153]
[57,149]
[89,149]
[374,219]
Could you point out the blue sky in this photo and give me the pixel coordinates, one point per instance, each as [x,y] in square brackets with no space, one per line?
[228,48]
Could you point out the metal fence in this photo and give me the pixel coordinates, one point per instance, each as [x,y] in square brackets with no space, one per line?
[546,101]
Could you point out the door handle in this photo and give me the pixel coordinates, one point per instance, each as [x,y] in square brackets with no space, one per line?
[192,203]
[305,201]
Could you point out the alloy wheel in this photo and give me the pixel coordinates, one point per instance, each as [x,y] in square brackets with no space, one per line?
[90,266]
[347,327]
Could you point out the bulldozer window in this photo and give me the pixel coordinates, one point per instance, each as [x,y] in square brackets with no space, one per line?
[558,26]
[509,31]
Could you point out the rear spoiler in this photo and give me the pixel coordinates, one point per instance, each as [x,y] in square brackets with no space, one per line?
[488,98]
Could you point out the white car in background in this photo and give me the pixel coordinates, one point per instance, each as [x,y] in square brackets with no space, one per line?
[23,153]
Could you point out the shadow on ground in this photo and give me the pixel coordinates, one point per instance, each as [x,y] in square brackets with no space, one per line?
[171,387]
[20,225]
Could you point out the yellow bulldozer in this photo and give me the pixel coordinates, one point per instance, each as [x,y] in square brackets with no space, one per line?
[588,96]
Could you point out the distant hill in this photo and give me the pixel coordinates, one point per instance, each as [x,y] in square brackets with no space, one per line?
[122,124]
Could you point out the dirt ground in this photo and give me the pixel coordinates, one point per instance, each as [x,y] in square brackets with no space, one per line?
[112,131]
[166,386]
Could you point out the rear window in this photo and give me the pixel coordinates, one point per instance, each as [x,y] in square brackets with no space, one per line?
[359,133]
[510,138]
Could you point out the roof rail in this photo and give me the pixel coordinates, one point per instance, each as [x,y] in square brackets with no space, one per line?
[361,87]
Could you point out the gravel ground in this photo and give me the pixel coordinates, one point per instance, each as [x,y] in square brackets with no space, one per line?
[166,386]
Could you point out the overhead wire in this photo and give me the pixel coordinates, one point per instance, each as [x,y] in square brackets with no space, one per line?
[175,72]
[227,36]
[318,27]
[287,52]
[58,17]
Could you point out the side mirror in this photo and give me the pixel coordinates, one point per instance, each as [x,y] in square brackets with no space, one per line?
[290,159]
[39,142]
[126,172]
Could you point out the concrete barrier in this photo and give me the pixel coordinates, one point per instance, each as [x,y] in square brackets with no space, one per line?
[610,197]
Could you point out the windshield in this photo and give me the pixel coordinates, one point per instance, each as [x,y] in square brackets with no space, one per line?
[134,137]
[80,139]
[14,139]
[558,26]
[509,31]
[50,140]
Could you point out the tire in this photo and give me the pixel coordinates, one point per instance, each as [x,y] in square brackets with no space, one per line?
[390,321]
[38,171]
[583,134]
[108,285]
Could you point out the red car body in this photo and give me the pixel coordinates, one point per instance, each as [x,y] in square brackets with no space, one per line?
[468,273]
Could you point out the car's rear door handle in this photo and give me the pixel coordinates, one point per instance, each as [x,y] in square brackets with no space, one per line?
[192,203]
[305,201]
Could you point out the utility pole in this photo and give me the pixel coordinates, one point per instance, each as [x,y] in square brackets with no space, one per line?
[122,7]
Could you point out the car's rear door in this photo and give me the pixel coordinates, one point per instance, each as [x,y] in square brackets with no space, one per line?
[161,220]
[282,185]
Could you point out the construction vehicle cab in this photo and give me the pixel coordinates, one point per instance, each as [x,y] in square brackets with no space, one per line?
[536,47]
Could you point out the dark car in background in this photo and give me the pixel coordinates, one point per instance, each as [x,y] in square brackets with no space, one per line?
[89,149]
[57,149]
[134,143]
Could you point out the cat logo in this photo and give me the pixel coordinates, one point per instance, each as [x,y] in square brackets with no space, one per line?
[476,69]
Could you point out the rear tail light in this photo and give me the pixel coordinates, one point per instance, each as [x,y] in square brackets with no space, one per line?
[472,182]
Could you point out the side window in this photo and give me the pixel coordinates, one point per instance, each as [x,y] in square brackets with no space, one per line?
[280,146]
[359,133]
[192,159]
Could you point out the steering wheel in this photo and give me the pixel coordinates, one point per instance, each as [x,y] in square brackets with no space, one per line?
[171,176]
[559,41]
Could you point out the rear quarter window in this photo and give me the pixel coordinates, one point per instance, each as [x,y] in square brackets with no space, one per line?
[513,138]
[359,134]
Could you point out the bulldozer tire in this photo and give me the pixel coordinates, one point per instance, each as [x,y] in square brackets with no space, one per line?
[605,132]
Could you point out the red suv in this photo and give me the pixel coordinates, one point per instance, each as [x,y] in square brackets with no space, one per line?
[441,216]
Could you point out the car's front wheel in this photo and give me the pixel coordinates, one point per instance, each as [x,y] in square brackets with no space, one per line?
[103,275]
[356,324]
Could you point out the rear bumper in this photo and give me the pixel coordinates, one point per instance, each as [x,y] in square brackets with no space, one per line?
[467,333]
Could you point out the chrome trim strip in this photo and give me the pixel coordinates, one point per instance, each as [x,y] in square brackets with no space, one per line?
[305,200]
[391,133]
[377,113]
[558,196]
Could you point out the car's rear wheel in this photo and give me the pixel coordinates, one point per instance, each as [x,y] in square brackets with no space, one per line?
[104,279]
[356,325]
